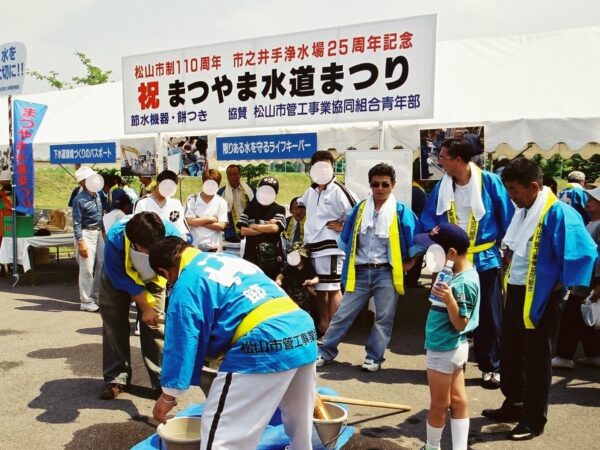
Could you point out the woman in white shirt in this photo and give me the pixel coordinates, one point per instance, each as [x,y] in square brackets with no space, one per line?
[206,213]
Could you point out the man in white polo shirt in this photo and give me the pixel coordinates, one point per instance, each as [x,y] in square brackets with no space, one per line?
[327,202]
[160,201]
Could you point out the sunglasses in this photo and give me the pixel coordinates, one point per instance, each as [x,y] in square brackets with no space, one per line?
[383,184]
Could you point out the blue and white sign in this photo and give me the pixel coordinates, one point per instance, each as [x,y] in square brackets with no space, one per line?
[12,68]
[95,152]
[272,146]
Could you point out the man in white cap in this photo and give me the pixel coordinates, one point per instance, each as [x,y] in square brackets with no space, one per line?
[89,236]
[575,195]
[572,328]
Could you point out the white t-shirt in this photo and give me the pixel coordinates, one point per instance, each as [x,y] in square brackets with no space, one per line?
[196,207]
[171,210]
[462,203]
[110,218]
[332,203]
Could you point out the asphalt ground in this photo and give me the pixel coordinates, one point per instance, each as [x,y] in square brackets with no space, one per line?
[51,359]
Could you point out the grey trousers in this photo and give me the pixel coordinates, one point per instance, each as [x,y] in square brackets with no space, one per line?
[116,357]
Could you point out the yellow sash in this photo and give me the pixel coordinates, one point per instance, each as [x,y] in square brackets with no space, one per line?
[473,227]
[135,276]
[393,247]
[270,308]
[532,266]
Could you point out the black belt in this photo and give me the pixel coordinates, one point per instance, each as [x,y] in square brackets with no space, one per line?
[372,266]
[439,309]
[93,228]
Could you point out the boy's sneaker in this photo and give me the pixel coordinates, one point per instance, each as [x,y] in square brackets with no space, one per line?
[593,361]
[90,307]
[322,361]
[562,363]
[370,366]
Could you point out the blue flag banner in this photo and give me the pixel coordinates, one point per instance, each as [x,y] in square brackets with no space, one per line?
[27,118]
[95,152]
[273,146]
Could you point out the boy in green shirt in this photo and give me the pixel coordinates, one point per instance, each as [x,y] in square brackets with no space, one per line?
[446,337]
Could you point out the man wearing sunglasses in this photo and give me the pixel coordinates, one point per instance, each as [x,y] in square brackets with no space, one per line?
[377,239]
[477,201]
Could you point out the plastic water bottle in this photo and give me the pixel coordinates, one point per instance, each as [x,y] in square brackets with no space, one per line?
[444,276]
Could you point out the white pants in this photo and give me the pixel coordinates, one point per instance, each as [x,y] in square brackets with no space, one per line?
[90,268]
[239,407]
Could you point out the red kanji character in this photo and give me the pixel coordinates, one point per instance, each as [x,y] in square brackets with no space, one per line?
[290,53]
[238,59]
[317,49]
[19,146]
[216,61]
[250,58]
[170,68]
[263,56]
[374,43]
[276,54]
[406,40]
[389,41]
[139,72]
[149,70]
[160,69]
[358,44]
[302,52]
[148,97]
[205,63]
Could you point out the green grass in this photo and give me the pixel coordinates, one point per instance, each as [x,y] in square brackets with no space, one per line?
[53,186]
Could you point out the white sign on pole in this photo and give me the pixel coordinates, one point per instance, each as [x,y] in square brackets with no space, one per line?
[12,68]
[368,72]
[358,164]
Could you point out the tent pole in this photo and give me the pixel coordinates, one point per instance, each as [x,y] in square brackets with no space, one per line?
[15,268]
[381,136]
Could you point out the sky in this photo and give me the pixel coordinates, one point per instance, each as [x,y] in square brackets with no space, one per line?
[107,30]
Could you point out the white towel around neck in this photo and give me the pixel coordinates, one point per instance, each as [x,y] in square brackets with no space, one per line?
[228,194]
[387,213]
[523,224]
[446,193]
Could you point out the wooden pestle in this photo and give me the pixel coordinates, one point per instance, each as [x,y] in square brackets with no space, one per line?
[320,411]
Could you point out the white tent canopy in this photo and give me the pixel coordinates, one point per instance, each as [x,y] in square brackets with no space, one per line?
[537,88]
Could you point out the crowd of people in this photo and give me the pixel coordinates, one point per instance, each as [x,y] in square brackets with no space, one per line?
[284,308]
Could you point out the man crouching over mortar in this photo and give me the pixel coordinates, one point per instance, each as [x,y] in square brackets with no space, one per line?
[222,304]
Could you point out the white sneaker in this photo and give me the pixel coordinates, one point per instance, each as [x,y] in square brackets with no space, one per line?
[562,363]
[370,366]
[91,307]
[593,361]
[137,328]
[322,361]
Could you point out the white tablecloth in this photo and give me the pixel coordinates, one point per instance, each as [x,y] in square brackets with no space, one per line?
[23,244]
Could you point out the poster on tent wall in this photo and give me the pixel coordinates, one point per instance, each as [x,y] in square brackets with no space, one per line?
[431,142]
[186,155]
[27,118]
[368,72]
[358,164]
[138,157]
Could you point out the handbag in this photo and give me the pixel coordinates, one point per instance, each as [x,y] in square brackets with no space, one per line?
[590,310]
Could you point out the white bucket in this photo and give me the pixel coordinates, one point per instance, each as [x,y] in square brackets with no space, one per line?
[180,433]
[329,430]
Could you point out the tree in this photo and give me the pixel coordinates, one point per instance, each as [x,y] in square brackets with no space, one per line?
[251,171]
[94,75]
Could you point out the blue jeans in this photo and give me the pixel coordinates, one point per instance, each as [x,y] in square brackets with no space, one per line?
[369,282]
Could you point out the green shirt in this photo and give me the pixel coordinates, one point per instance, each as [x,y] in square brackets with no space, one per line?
[440,334]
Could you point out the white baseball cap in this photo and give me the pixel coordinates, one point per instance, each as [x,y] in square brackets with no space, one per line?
[595,193]
[84,172]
